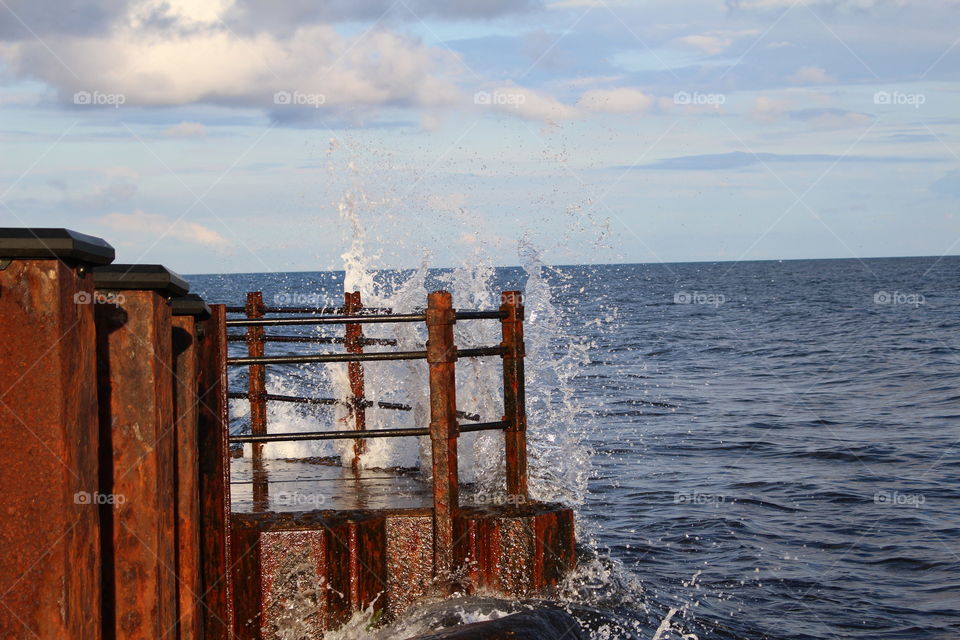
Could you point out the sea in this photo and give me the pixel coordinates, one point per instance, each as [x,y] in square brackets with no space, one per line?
[754,450]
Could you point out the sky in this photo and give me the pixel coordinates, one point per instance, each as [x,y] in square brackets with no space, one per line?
[218,136]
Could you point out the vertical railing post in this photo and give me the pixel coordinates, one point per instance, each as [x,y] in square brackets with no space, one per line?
[442,356]
[354,342]
[258,402]
[514,395]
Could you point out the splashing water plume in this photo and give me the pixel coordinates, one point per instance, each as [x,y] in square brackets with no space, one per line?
[560,424]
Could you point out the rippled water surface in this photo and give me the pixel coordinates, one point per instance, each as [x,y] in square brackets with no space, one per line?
[775,444]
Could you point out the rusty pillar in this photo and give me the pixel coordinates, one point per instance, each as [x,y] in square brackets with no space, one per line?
[214,463]
[258,402]
[442,356]
[137,441]
[354,343]
[188,311]
[514,395]
[50,564]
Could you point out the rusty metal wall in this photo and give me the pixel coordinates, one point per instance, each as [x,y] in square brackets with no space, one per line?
[214,463]
[49,532]
[186,371]
[137,440]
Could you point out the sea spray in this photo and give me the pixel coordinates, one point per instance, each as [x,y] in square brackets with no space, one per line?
[559,423]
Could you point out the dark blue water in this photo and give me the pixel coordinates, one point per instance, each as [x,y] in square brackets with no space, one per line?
[776,444]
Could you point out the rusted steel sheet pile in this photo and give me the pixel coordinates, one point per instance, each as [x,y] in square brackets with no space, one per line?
[106,450]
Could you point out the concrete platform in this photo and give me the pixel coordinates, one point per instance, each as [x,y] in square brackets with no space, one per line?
[319,483]
[325,542]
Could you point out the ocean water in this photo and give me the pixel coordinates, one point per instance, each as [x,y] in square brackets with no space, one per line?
[754,450]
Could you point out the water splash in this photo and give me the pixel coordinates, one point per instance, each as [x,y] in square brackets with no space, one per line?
[559,423]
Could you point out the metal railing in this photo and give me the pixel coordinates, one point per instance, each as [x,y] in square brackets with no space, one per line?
[441,355]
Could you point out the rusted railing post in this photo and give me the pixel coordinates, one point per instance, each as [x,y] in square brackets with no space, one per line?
[442,356]
[257,395]
[514,395]
[354,343]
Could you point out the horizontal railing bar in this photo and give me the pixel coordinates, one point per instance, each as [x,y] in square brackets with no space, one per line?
[355,319]
[329,357]
[321,310]
[352,435]
[484,426]
[386,342]
[481,351]
[275,322]
[243,395]
[330,435]
[360,357]
[480,315]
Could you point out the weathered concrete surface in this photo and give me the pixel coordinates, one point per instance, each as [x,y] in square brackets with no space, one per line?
[49,532]
[541,624]
[307,572]
[299,574]
[409,539]
[515,550]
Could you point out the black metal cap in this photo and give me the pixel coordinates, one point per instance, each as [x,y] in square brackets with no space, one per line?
[140,276]
[190,305]
[53,244]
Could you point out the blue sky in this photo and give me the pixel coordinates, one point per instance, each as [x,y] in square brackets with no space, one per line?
[232,135]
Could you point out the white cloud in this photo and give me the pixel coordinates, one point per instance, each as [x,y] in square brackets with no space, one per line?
[811,75]
[620,100]
[777,4]
[713,42]
[769,109]
[153,224]
[204,62]
[186,130]
[525,103]
[711,45]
